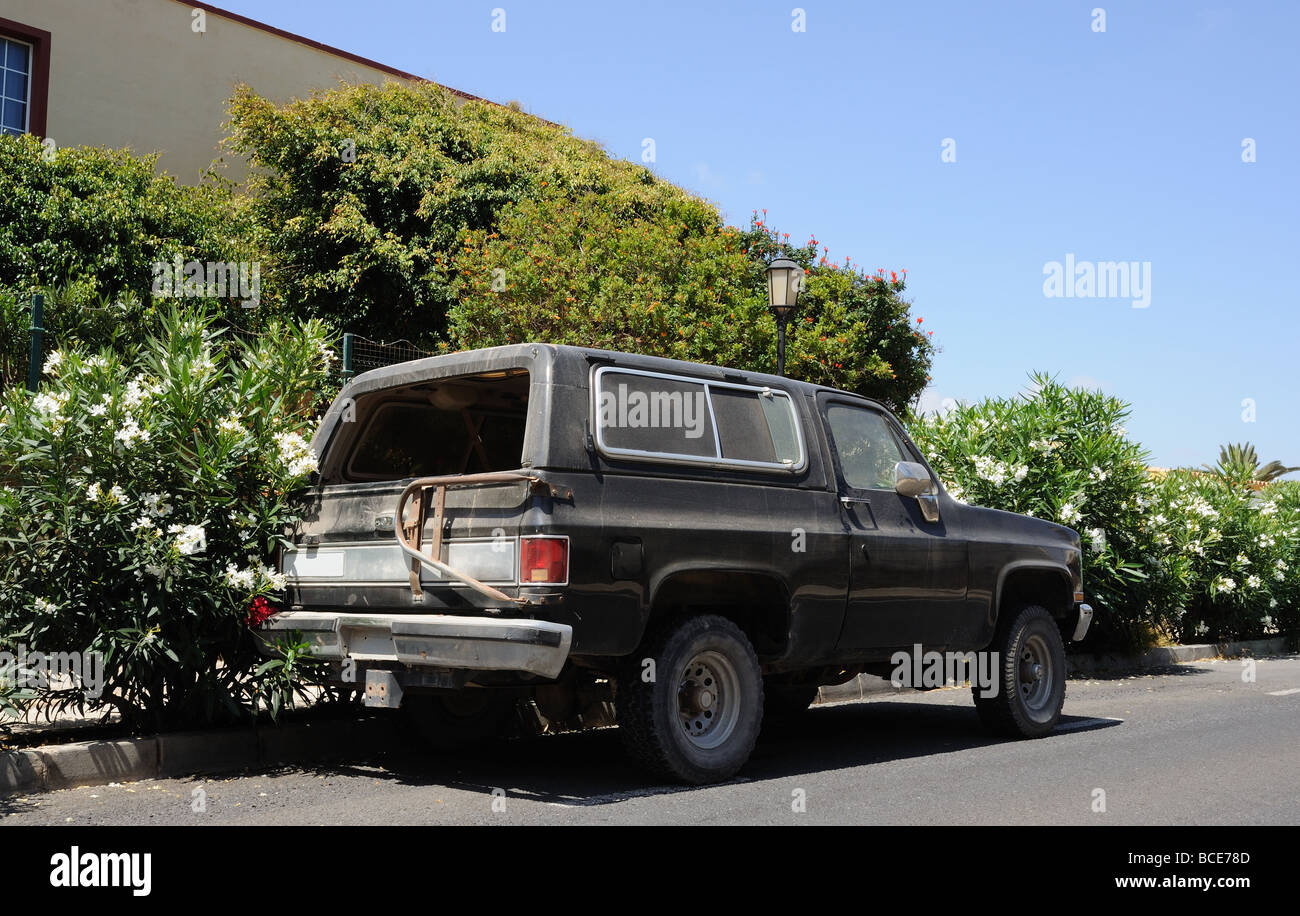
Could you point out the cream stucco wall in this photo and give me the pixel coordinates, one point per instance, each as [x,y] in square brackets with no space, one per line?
[133,73]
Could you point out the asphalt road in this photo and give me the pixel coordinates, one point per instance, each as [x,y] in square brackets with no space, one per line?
[1188,745]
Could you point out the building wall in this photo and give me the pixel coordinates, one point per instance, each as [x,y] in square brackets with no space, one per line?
[134,73]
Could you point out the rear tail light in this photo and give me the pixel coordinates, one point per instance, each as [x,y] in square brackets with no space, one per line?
[543,560]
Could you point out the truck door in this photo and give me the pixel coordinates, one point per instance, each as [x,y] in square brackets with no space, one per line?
[907,575]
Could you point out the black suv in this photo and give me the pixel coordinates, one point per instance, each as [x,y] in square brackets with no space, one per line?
[684,546]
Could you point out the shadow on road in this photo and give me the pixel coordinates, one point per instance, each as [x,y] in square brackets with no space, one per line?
[589,768]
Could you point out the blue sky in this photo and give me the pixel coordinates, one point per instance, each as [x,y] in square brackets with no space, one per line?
[1122,145]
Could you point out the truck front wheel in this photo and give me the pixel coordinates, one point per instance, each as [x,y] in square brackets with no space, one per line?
[1029,688]
[690,704]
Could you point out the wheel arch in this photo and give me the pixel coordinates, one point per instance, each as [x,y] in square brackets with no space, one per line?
[756,601]
[1034,581]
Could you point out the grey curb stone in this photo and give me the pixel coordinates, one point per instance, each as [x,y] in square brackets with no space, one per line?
[95,763]
[183,753]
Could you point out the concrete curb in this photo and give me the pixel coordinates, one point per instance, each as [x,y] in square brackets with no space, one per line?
[865,685]
[95,763]
[1174,655]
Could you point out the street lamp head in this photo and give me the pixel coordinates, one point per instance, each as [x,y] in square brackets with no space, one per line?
[784,281]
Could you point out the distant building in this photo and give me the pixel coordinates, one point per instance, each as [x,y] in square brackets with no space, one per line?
[140,74]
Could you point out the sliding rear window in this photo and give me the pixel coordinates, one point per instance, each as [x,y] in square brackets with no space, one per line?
[673,418]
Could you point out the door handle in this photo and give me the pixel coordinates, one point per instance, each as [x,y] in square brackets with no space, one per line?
[849,500]
[866,554]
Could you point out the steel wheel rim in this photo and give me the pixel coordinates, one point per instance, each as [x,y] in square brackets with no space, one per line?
[708,700]
[1035,675]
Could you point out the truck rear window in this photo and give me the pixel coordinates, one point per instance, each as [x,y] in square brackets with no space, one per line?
[667,417]
[464,425]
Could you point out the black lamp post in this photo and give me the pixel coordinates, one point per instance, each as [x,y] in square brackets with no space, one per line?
[784,280]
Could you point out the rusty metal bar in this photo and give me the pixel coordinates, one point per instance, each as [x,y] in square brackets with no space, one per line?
[440,485]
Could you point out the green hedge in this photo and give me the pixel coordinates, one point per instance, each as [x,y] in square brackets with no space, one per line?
[1182,557]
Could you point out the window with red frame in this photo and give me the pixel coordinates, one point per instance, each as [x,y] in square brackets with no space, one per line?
[24,78]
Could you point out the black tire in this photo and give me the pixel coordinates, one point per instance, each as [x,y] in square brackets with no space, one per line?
[698,719]
[457,719]
[1030,668]
[786,702]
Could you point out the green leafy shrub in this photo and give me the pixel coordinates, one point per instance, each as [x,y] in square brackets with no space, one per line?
[1181,556]
[1235,551]
[99,219]
[1063,455]
[144,496]
[401,211]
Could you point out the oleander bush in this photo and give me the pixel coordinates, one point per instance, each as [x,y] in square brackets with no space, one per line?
[1233,550]
[143,498]
[1186,556]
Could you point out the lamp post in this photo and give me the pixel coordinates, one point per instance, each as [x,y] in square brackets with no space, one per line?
[784,280]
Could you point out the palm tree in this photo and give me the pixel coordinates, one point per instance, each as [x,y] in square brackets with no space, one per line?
[1240,463]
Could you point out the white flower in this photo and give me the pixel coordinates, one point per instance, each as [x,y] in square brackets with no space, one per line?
[295,454]
[275,579]
[130,432]
[1097,539]
[1272,602]
[43,606]
[98,410]
[1225,585]
[1202,629]
[1252,582]
[114,496]
[1243,560]
[138,389]
[154,507]
[1069,514]
[191,539]
[239,578]
[144,523]
[50,403]
[52,363]
[1097,473]
[230,424]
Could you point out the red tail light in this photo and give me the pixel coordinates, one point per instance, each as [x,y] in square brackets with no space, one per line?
[543,560]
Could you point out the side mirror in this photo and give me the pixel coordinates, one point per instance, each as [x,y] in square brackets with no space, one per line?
[912,479]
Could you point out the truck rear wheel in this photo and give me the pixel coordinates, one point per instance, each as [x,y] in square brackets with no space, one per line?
[694,714]
[1030,677]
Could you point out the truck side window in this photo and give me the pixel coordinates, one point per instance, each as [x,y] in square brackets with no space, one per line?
[865,445]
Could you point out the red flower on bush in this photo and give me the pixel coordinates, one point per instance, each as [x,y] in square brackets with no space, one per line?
[259,612]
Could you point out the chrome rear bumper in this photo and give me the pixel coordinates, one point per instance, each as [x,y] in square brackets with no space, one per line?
[430,640]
